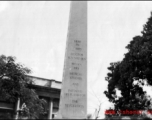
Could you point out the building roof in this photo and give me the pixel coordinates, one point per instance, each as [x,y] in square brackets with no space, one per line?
[50,83]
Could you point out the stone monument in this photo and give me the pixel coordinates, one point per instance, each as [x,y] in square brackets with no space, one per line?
[73,100]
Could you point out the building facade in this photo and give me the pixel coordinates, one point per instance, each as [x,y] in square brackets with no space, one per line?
[47,89]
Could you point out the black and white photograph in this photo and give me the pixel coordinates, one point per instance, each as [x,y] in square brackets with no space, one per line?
[75,60]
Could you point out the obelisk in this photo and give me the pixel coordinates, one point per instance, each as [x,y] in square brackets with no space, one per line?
[73,100]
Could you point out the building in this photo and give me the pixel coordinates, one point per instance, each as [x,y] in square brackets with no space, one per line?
[47,89]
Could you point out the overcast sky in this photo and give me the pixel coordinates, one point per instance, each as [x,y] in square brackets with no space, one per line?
[35,32]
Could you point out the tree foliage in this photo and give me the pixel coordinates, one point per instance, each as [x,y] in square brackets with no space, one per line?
[135,66]
[14,84]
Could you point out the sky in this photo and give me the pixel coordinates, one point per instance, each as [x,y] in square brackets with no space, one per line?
[35,32]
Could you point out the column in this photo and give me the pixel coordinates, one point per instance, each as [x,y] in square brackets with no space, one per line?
[50,108]
[17,109]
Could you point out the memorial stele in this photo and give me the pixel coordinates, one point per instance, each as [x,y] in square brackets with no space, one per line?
[73,100]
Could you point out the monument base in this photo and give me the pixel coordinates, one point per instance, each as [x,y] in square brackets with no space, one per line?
[59,116]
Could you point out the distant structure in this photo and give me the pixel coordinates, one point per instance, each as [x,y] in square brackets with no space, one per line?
[47,89]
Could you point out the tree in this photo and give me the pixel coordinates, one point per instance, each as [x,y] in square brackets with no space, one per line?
[135,66]
[14,84]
